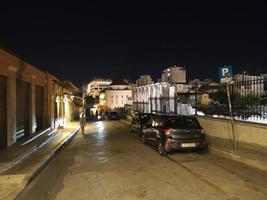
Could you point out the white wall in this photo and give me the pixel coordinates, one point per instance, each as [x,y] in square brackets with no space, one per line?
[118,98]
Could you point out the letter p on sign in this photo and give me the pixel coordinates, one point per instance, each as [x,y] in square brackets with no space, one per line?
[225,72]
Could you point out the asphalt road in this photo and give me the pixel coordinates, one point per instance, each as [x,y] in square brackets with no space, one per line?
[110,163]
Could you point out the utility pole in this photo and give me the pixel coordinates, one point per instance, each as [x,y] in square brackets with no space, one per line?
[230,83]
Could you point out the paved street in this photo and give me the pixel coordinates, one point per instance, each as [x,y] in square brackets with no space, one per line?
[111,163]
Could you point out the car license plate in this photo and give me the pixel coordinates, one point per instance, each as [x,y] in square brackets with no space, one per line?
[188,145]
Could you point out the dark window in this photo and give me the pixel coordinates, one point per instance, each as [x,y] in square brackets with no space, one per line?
[114,113]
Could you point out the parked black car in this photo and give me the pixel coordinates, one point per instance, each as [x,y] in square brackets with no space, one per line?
[113,115]
[170,133]
[138,122]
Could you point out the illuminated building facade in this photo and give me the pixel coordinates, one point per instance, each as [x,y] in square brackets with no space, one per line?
[95,87]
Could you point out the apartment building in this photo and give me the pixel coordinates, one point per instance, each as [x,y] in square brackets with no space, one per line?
[144,80]
[96,86]
[174,74]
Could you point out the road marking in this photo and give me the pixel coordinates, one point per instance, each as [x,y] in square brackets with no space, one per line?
[200,177]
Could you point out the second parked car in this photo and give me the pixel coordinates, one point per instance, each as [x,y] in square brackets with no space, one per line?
[170,133]
[113,115]
[138,122]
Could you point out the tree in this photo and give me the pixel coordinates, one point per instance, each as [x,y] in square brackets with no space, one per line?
[220,97]
[264,101]
[247,100]
[89,100]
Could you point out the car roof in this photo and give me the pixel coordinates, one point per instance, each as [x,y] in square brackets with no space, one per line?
[166,117]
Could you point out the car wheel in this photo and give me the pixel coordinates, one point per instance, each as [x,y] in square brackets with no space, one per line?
[140,133]
[203,150]
[162,150]
[143,139]
[130,128]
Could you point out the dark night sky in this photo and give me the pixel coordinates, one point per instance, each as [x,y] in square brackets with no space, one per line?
[80,41]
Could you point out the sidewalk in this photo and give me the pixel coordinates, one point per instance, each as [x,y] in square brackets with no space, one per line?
[20,150]
[250,154]
[21,163]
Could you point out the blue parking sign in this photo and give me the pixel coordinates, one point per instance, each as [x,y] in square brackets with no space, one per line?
[225,72]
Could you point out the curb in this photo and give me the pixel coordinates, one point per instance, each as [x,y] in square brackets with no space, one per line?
[238,158]
[27,153]
[19,158]
[54,152]
[49,158]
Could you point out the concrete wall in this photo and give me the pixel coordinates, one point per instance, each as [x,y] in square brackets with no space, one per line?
[245,132]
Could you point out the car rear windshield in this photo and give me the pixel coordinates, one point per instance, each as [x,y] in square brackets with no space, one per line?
[183,123]
[114,113]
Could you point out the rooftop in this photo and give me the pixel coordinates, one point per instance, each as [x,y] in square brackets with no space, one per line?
[119,83]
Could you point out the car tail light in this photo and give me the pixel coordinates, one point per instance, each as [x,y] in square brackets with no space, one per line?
[167,131]
[170,145]
[203,143]
[202,130]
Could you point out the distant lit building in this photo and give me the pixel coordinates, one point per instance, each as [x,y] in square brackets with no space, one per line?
[144,80]
[95,87]
[118,94]
[174,74]
[264,76]
[203,86]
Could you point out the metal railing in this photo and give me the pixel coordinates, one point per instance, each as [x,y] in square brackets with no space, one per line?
[247,98]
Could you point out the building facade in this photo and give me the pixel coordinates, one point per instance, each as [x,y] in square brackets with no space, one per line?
[118,94]
[95,87]
[161,98]
[144,80]
[174,74]
[28,99]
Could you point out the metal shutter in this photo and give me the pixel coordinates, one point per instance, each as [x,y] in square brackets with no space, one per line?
[22,109]
[3,126]
[39,107]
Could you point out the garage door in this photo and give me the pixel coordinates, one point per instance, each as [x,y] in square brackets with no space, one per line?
[22,109]
[39,107]
[3,129]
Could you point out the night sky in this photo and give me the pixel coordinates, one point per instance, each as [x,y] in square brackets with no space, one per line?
[79,41]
